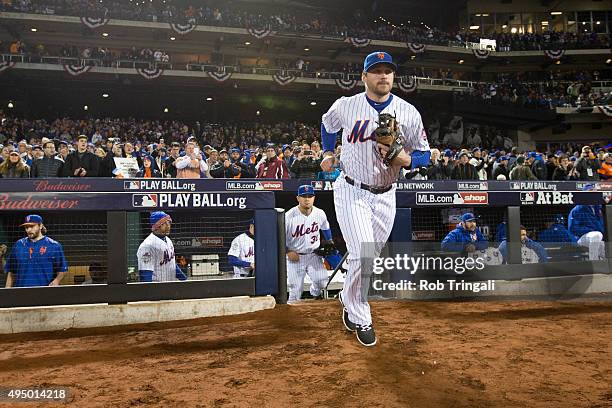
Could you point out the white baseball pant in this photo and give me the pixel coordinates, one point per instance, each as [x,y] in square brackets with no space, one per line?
[312,265]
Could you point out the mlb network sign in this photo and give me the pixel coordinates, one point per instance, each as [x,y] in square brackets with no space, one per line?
[547,198]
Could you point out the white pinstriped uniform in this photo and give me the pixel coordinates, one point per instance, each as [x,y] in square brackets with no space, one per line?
[157,255]
[365,217]
[302,236]
[243,248]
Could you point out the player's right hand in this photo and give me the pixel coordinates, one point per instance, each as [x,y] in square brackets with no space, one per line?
[293,256]
[328,162]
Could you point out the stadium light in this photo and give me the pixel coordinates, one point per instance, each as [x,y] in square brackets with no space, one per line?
[609,61]
[172,38]
[556,13]
[258,113]
[166,110]
[104,34]
[105,95]
[313,103]
[85,107]
[209,99]
[306,49]
[513,30]
[10,105]
[504,25]
[474,27]
[247,43]
[558,62]
[33,29]
[461,61]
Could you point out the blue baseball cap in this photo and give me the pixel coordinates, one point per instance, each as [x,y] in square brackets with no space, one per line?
[234,149]
[533,155]
[448,152]
[32,219]
[157,218]
[306,190]
[378,57]
[468,217]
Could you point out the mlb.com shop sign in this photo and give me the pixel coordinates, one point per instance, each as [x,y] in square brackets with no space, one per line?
[461,198]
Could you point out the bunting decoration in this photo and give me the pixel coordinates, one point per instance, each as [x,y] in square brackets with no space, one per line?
[94,22]
[481,54]
[358,42]
[183,29]
[76,70]
[416,48]
[260,33]
[283,79]
[605,109]
[407,84]
[4,65]
[150,73]
[346,84]
[554,54]
[220,75]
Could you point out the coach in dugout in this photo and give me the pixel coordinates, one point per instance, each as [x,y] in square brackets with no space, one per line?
[35,260]
[466,238]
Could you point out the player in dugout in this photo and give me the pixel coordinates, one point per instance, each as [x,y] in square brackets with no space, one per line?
[35,260]
[466,237]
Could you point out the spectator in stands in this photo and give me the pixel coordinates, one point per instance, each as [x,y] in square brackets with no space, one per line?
[129,151]
[148,169]
[551,165]
[108,165]
[556,232]
[502,169]
[191,165]
[272,167]
[561,172]
[37,153]
[440,167]
[479,162]
[531,251]
[306,166]
[586,223]
[170,169]
[246,169]
[521,171]
[63,150]
[14,167]
[81,163]
[466,237]
[605,172]
[224,168]
[538,168]
[464,170]
[50,165]
[587,165]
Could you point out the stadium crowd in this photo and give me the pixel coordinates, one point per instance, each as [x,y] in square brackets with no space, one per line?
[319,23]
[172,149]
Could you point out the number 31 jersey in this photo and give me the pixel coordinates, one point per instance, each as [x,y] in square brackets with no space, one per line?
[303,231]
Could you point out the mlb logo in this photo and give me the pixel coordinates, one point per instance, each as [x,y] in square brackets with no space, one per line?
[528,197]
[317,185]
[131,185]
[144,200]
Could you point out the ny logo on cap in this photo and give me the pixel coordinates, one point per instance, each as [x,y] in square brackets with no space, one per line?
[381,55]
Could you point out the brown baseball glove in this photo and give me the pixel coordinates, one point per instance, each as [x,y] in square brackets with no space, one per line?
[387,133]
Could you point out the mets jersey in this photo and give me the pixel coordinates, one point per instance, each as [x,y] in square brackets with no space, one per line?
[243,248]
[36,263]
[360,158]
[302,232]
[157,254]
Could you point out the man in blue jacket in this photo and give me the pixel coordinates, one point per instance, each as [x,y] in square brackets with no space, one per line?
[556,232]
[466,238]
[531,251]
[586,223]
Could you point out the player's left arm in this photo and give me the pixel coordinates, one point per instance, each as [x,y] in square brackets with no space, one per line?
[60,266]
[416,145]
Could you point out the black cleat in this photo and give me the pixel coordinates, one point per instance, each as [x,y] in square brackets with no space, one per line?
[350,326]
[366,335]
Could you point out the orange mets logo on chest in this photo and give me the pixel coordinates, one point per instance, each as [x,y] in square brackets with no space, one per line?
[42,250]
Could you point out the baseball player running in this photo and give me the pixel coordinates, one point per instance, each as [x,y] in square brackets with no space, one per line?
[303,225]
[381,133]
[156,262]
[35,260]
[241,254]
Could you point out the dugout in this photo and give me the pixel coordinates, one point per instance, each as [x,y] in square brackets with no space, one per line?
[101,222]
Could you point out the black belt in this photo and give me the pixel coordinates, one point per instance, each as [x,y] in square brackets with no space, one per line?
[375,190]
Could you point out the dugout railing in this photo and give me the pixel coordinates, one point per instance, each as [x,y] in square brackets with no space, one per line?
[113,214]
